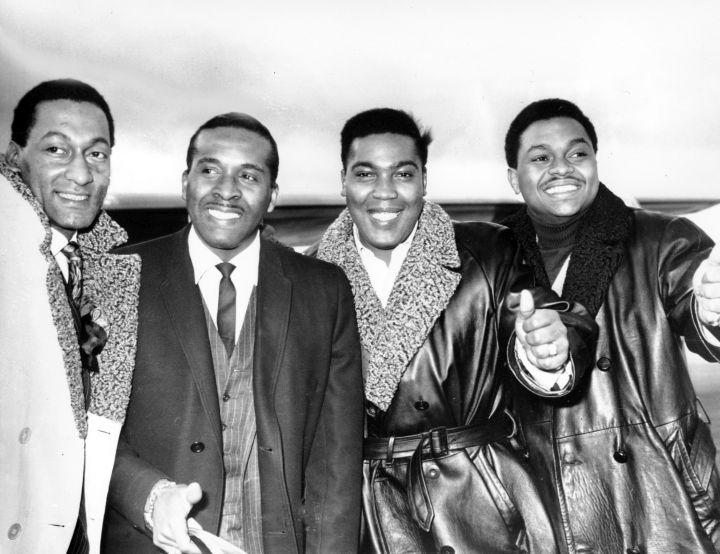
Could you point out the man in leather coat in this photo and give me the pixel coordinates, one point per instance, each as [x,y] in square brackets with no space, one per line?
[442,468]
[626,458]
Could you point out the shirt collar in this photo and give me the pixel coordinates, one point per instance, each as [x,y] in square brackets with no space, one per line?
[58,241]
[204,259]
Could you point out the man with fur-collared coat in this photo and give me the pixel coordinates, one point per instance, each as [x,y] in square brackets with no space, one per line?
[63,394]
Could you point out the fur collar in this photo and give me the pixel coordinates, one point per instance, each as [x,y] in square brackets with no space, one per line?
[596,254]
[112,284]
[426,282]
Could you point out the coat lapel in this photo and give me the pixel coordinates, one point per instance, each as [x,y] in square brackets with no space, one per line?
[183,303]
[273,313]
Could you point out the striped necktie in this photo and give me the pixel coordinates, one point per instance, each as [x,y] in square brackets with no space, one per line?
[74,281]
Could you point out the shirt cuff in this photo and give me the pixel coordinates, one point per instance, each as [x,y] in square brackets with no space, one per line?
[550,381]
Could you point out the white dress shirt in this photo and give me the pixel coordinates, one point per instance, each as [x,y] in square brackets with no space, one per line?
[382,275]
[207,276]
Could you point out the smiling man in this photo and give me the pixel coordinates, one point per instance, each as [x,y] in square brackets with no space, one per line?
[443,464]
[246,410]
[630,462]
[69,315]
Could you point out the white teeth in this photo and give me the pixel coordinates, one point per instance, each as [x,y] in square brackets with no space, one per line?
[561,189]
[384,216]
[217,214]
[73,197]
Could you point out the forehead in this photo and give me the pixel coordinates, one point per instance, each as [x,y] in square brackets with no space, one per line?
[231,142]
[554,132]
[81,120]
[381,149]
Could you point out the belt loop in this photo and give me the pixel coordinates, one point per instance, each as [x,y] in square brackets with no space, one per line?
[389,455]
[439,441]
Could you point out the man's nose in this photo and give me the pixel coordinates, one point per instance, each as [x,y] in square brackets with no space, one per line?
[385,187]
[227,187]
[561,166]
[79,171]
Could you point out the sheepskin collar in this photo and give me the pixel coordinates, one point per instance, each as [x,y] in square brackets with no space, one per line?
[426,282]
[596,253]
[111,283]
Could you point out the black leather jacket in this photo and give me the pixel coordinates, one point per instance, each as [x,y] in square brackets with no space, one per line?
[627,460]
[484,498]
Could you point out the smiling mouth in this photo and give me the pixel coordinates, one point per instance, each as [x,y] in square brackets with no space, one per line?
[383,216]
[562,188]
[223,215]
[73,197]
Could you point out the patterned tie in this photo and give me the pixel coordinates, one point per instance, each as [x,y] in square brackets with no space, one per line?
[226,307]
[74,282]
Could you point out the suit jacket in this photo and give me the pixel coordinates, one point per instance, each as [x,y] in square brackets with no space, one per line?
[51,447]
[307,388]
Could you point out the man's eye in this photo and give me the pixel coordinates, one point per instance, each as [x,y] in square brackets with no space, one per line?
[55,150]
[99,156]
[579,154]
[363,174]
[208,170]
[540,158]
[405,174]
[248,177]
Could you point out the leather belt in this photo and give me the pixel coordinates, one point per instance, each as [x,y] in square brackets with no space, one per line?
[434,443]
[440,440]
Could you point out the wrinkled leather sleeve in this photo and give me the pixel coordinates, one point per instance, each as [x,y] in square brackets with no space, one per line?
[582,333]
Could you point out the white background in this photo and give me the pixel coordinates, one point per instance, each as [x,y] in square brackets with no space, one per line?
[646,72]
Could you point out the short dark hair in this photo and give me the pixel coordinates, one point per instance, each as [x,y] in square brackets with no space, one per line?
[384,120]
[47,91]
[238,121]
[539,111]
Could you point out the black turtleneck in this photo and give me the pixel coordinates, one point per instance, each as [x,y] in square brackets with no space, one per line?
[556,238]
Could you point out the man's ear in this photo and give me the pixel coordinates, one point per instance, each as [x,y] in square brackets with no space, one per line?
[424,177]
[275,189]
[512,178]
[184,180]
[12,155]
[343,191]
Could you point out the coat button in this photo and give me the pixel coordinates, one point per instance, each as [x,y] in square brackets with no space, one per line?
[447,550]
[633,550]
[621,456]
[371,410]
[24,435]
[603,364]
[226,397]
[421,405]
[433,473]
[14,531]
[223,426]
[197,447]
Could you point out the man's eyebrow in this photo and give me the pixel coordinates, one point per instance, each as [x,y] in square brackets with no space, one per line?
[394,166]
[573,142]
[62,135]
[211,160]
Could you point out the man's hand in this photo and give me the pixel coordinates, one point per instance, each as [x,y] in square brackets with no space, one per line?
[169,518]
[541,333]
[706,286]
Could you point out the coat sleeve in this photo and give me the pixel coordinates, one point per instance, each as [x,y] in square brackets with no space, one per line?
[582,331]
[334,471]
[682,249]
[130,484]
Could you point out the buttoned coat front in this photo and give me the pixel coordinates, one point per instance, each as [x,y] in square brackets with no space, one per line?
[307,389]
[628,458]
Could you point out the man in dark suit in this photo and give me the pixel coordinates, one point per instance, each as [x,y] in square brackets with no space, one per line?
[248,374]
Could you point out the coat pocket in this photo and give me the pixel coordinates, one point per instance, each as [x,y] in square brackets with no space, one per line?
[695,461]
